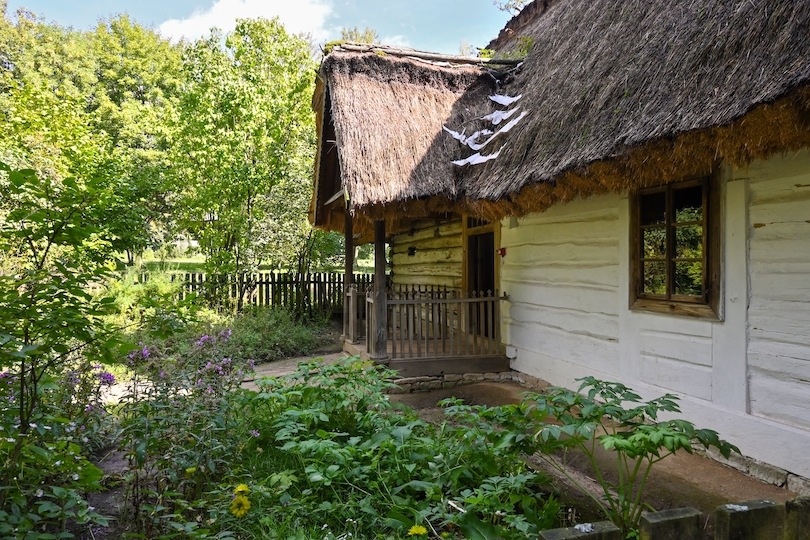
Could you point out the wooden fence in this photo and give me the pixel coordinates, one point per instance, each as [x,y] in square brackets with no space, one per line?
[433,322]
[311,293]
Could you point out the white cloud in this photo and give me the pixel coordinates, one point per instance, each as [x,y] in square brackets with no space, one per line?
[396,41]
[300,16]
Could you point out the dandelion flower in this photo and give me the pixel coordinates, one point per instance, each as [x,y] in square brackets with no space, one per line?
[417,530]
[242,489]
[240,506]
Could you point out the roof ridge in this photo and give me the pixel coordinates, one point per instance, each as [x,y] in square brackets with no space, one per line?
[407,52]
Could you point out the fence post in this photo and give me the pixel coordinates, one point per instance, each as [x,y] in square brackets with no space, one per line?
[753,520]
[379,337]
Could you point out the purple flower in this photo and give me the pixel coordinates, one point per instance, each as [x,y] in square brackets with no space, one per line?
[162,374]
[106,378]
[88,409]
[145,352]
[254,432]
[202,340]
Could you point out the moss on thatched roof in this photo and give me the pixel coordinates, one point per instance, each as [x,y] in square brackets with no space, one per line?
[618,94]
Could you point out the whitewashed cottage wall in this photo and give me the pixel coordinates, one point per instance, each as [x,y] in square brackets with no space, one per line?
[567,274]
[779,273]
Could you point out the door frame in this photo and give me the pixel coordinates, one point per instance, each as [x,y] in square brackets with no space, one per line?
[471,226]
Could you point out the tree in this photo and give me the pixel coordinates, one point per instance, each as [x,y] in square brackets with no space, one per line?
[91,105]
[54,249]
[138,86]
[356,35]
[512,6]
[465,49]
[243,133]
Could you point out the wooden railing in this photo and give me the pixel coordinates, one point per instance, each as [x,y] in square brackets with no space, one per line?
[354,318]
[312,292]
[432,322]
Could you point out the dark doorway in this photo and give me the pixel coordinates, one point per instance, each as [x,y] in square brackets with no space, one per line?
[481,263]
[480,277]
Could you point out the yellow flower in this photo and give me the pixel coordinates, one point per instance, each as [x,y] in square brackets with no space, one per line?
[242,489]
[240,506]
[191,470]
[417,530]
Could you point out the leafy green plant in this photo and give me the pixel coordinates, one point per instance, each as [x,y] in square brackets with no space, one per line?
[613,416]
[346,441]
[182,425]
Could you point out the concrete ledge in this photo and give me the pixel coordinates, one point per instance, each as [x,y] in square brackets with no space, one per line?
[752,520]
[601,530]
[675,524]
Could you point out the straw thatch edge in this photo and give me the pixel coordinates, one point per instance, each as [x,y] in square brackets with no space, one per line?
[768,129]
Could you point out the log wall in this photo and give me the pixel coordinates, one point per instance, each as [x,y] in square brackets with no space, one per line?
[436,258]
[779,276]
[746,374]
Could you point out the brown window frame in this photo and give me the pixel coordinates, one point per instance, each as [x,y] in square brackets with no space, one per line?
[707,305]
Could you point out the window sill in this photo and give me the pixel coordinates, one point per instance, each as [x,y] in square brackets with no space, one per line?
[682,309]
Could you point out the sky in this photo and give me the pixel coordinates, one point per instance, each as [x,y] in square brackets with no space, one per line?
[430,25]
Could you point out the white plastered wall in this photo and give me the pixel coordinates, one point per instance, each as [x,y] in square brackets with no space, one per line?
[567,275]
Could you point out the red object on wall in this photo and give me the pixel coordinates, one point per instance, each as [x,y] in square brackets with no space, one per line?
[502,252]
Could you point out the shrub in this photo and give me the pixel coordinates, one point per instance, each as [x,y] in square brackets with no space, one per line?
[634,432]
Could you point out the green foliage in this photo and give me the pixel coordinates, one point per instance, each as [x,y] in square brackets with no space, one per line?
[56,253]
[91,104]
[265,334]
[319,452]
[182,425]
[634,431]
[242,144]
[55,250]
[45,469]
[512,6]
[355,35]
[388,468]
[257,334]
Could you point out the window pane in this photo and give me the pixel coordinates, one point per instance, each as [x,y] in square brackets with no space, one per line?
[689,242]
[655,243]
[689,278]
[688,204]
[653,208]
[655,277]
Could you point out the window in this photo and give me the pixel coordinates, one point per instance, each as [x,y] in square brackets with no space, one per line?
[674,249]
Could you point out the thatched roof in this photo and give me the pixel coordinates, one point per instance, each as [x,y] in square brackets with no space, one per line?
[618,94]
[383,112]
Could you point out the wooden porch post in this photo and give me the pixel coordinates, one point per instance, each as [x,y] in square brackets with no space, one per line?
[380,330]
[348,275]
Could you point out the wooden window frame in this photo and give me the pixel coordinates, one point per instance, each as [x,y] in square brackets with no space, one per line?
[708,307]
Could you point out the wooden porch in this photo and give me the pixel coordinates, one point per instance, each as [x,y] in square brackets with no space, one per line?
[429,331]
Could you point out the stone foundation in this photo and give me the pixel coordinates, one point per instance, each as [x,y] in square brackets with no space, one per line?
[413,385]
[763,472]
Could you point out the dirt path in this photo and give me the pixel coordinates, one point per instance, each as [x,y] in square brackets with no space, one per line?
[285,367]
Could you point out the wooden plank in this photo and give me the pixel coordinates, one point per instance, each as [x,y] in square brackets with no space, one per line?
[434,367]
